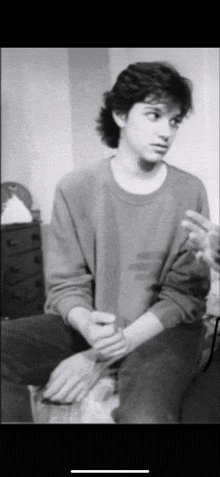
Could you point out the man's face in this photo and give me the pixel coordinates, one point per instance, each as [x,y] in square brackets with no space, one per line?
[148,130]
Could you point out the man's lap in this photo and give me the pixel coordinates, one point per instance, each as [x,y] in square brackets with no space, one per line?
[34,346]
[152,379]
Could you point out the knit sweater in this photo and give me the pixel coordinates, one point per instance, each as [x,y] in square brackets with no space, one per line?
[124,253]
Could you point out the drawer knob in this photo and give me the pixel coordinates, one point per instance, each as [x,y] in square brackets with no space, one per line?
[17,296]
[35,236]
[11,243]
[37,260]
[5,318]
[14,269]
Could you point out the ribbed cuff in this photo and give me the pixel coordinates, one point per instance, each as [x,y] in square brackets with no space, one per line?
[68,304]
[168,313]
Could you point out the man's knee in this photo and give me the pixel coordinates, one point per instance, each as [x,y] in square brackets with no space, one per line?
[136,415]
[13,368]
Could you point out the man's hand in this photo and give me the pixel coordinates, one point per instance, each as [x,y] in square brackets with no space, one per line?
[72,378]
[205,237]
[99,330]
[108,341]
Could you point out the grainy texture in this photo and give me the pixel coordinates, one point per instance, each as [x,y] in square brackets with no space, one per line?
[95,408]
[102,399]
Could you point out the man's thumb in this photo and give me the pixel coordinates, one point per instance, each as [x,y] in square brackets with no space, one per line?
[102,318]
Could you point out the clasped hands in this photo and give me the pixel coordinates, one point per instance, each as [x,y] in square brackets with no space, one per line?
[73,377]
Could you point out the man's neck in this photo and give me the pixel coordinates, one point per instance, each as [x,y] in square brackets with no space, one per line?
[138,180]
[135,168]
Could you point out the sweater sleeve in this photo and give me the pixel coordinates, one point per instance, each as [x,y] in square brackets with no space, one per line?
[69,280]
[183,290]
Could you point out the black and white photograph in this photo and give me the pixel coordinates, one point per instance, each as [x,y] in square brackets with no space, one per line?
[110,236]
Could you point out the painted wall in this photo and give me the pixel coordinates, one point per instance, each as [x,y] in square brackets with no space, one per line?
[196,148]
[36,121]
[50,98]
[89,78]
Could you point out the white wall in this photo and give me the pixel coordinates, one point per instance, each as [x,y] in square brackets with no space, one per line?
[196,148]
[50,98]
[36,121]
[89,79]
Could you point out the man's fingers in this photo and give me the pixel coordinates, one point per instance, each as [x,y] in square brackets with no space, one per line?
[196,235]
[59,395]
[198,239]
[199,219]
[199,255]
[109,350]
[102,318]
[79,389]
[191,227]
[111,353]
[116,339]
[58,371]
[53,386]
[80,396]
[104,332]
[63,395]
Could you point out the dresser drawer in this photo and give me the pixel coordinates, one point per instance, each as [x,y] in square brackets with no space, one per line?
[21,266]
[34,308]
[22,276]
[21,239]
[20,298]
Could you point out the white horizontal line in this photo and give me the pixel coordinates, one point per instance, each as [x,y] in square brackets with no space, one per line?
[111,471]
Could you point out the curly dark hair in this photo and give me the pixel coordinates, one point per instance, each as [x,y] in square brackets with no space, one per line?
[141,80]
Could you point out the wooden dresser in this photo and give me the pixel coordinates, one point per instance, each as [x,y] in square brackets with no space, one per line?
[22,279]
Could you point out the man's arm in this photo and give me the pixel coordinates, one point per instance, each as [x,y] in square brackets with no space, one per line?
[141,330]
[99,330]
[68,277]
[182,295]
[73,377]
[181,299]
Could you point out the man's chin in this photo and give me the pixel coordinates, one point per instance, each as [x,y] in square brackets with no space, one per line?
[148,164]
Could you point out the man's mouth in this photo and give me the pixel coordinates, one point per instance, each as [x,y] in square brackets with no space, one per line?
[160,146]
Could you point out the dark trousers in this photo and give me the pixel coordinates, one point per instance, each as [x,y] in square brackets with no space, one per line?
[152,378]
[201,400]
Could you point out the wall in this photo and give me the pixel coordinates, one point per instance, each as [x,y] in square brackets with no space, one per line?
[196,148]
[50,98]
[89,78]
[36,121]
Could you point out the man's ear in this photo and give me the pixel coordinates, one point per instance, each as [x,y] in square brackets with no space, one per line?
[119,118]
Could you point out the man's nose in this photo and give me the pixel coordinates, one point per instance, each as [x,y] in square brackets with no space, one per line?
[164,130]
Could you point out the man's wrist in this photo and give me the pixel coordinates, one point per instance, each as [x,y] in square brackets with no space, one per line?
[144,328]
[128,338]
[78,318]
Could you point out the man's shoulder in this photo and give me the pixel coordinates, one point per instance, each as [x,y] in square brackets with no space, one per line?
[85,178]
[187,179]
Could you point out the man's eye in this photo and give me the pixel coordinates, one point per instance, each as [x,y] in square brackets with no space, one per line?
[175,122]
[152,116]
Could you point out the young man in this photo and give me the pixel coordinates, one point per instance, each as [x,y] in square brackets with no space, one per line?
[123,283]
